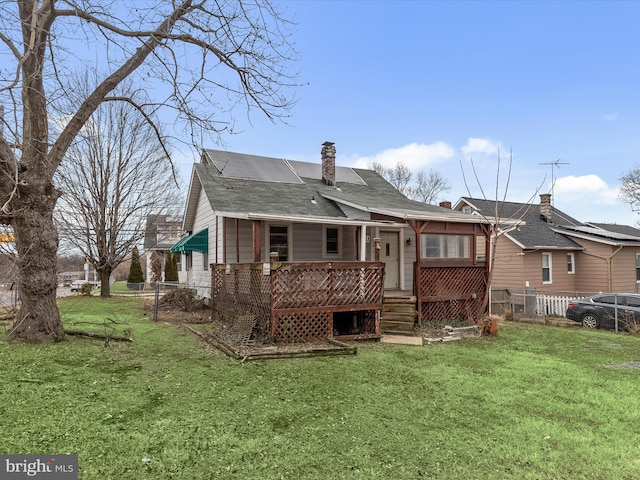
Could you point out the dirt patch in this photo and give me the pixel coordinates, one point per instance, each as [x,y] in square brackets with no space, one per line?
[632,365]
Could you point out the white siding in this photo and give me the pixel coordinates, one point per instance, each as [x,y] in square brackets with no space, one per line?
[198,275]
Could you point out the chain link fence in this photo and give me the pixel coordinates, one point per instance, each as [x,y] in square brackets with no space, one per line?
[8,295]
[530,304]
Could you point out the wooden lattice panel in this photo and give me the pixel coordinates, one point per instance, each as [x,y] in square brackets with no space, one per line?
[371,321]
[301,326]
[451,310]
[239,294]
[313,285]
[451,292]
[297,301]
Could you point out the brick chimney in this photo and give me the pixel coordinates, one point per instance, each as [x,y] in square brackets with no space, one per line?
[328,155]
[446,204]
[545,207]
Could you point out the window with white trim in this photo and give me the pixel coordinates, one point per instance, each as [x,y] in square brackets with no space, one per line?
[178,261]
[331,241]
[205,260]
[546,268]
[571,263]
[189,261]
[638,267]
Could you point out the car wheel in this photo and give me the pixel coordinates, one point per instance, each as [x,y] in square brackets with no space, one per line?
[589,320]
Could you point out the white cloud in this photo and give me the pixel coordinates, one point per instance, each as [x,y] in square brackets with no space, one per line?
[589,198]
[415,156]
[481,146]
[590,189]
[610,117]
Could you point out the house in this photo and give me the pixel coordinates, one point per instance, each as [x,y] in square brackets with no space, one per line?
[547,250]
[320,244]
[161,233]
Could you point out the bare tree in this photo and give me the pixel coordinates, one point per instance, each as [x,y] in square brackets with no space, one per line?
[426,188]
[496,224]
[198,59]
[429,186]
[114,175]
[630,188]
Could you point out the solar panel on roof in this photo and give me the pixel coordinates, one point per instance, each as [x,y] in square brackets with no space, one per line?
[253,167]
[314,170]
[602,233]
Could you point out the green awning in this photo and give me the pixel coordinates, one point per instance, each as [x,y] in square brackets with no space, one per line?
[198,242]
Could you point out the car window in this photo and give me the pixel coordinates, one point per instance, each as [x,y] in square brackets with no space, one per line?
[610,299]
[633,301]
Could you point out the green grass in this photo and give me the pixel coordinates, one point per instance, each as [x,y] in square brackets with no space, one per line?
[532,403]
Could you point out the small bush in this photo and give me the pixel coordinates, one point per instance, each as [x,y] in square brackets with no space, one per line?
[85,289]
[182,298]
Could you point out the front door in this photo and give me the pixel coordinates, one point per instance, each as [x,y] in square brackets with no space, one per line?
[390,255]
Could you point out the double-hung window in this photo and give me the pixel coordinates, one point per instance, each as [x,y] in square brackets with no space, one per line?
[546,267]
[571,263]
[331,241]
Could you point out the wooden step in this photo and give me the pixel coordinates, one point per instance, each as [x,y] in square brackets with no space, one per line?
[399,300]
[398,314]
[391,325]
[408,317]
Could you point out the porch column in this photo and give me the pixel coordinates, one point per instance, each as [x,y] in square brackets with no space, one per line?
[257,241]
[363,243]
[237,242]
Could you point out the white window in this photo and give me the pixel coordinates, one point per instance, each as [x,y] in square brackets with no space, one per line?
[179,261]
[638,267]
[205,260]
[546,268]
[331,241]
[571,263]
[445,246]
[189,261]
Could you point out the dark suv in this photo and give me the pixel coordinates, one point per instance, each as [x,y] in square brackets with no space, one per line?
[599,311]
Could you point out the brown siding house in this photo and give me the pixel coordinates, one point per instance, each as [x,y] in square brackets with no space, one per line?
[543,248]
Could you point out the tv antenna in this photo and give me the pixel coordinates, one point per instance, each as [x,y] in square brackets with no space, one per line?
[555,164]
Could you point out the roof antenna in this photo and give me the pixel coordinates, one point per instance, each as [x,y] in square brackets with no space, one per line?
[557,163]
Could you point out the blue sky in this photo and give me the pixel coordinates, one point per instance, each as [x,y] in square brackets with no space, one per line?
[436,84]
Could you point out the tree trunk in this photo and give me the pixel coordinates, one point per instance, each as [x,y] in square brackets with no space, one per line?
[37,244]
[105,276]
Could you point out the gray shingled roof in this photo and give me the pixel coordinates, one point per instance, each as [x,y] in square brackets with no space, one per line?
[535,232]
[309,198]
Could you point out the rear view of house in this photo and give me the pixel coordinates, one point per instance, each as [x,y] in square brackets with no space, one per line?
[324,243]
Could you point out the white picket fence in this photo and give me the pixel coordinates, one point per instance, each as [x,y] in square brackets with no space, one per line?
[555,305]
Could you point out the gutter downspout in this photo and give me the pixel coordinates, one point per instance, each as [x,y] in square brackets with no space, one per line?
[609,264]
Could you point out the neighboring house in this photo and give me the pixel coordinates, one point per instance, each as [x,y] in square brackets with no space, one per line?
[161,232]
[340,223]
[547,250]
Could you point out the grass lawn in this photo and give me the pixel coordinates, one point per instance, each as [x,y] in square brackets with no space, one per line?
[532,403]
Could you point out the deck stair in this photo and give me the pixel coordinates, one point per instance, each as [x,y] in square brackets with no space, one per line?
[398,314]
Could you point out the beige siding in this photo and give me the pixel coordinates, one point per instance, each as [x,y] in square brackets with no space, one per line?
[623,268]
[561,279]
[592,267]
[508,265]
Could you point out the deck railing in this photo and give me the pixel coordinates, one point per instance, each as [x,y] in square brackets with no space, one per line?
[300,301]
